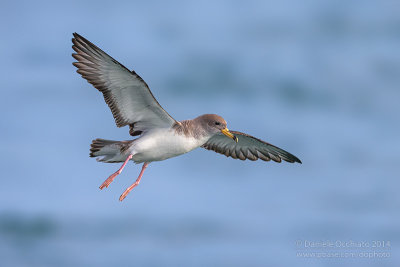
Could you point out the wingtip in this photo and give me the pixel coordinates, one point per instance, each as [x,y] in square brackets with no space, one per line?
[296,159]
[76,36]
[292,158]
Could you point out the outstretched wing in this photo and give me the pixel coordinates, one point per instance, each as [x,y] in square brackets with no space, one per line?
[128,96]
[248,147]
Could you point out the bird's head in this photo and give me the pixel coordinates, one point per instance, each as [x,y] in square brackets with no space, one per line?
[214,124]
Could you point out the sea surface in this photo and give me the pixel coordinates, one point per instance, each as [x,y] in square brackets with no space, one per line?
[320,79]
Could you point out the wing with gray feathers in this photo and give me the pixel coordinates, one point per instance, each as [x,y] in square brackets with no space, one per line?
[128,96]
[248,147]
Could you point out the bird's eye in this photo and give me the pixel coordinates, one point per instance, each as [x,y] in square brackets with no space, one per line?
[217,123]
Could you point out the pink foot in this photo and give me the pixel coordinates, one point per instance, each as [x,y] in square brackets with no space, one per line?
[115,174]
[129,189]
[107,182]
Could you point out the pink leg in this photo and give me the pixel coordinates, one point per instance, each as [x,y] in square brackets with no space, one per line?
[112,176]
[129,189]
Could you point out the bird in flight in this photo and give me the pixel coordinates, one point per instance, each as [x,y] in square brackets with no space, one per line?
[159,135]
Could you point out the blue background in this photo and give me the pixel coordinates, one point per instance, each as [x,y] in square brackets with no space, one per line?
[317,78]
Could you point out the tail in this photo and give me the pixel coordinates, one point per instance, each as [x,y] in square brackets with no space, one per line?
[109,150]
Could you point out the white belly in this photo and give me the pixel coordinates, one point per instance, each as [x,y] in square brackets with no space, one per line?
[162,144]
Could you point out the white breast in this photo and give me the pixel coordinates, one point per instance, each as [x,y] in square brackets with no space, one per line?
[162,144]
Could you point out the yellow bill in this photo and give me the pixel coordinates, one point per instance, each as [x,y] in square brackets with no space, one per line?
[229,134]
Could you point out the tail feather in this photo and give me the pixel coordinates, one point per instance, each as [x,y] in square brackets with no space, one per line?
[111,151]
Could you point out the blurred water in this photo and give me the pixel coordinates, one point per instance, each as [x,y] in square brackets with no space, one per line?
[317,78]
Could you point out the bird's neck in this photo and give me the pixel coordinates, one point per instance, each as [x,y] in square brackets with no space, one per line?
[189,129]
